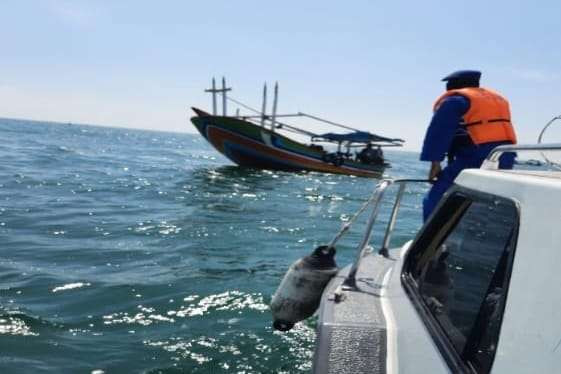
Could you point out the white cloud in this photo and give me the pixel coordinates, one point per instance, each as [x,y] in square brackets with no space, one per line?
[74,13]
[534,75]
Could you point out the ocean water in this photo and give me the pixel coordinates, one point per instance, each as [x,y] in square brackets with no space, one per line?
[126,251]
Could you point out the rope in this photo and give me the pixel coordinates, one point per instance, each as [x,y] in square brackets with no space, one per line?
[278,125]
[243,105]
[347,225]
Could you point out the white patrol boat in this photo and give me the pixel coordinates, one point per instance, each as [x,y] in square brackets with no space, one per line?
[474,292]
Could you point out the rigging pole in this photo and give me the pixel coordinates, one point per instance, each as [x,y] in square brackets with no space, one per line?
[213,90]
[275,100]
[223,91]
[264,106]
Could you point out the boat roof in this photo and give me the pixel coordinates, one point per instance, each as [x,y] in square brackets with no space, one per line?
[355,137]
[534,173]
[517,176]
[509,183]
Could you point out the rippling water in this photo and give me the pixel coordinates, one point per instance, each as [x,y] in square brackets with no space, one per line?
[135,251]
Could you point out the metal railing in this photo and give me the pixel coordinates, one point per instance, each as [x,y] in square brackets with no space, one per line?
[350,280]
[492,161]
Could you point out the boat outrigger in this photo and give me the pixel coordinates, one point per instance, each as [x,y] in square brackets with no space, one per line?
[261,141]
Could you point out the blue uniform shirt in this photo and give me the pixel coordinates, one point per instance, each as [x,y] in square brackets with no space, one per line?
[445,124]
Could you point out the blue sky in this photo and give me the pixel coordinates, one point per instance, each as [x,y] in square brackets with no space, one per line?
[374,65]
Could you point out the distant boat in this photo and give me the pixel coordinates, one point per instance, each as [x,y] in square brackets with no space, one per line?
[256,141]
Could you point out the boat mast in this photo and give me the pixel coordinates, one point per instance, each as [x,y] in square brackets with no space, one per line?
[213,90]
[275,100]
[223,91]
[264,105]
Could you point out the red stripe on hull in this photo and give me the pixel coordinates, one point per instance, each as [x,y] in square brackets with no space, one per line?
[217,137]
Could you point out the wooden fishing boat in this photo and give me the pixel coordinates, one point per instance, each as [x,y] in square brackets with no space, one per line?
[260,141]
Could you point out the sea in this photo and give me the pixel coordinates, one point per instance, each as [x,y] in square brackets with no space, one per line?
[129,251]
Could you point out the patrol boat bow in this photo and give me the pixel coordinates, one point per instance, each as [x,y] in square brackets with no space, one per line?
[462,296]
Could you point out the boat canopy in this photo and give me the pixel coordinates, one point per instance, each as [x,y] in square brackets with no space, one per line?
[355,137]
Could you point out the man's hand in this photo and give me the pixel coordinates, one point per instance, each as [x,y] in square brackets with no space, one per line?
[435,170]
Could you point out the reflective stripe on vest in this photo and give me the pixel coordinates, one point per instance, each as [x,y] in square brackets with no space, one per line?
[488,117]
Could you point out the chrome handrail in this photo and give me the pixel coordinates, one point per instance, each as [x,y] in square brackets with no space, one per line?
[350,280]
[546,127]
[492,161]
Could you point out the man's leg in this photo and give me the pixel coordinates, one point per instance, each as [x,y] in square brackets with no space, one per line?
[435,194]
[443,183]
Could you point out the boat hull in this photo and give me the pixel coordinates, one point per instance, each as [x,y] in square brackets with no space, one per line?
[249,145]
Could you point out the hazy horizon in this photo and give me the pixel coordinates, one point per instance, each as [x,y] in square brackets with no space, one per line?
[373,66]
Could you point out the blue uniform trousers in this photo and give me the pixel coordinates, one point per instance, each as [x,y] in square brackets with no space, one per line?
[451,171]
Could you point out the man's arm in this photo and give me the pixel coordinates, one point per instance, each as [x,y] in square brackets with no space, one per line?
[441,130]
[435,170]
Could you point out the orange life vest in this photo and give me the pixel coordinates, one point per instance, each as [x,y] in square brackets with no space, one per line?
[488,117]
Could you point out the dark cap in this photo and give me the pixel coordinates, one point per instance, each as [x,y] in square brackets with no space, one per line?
[464,75]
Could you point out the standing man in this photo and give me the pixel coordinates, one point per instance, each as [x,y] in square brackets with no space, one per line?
[468,122]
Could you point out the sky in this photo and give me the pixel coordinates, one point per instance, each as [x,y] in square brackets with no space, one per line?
[372,65]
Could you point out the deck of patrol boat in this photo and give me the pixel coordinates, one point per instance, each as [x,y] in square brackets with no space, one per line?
[352,332]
